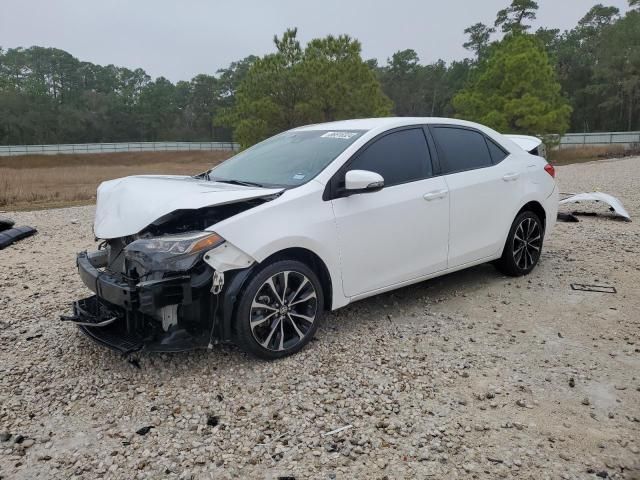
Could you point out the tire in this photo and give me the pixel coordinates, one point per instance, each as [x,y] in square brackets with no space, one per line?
[523,247]
[268,328]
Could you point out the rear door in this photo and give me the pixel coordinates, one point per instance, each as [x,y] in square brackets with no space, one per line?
[400,232]
[483,183]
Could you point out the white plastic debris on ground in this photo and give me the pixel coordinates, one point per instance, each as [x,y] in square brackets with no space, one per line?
[613,202]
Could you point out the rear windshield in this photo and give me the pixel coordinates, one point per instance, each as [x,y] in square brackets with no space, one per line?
[289,159]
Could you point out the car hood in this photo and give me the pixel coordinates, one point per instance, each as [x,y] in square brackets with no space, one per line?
[127,205]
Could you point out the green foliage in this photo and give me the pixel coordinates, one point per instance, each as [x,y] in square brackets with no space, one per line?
[326,81]
[479,36]
[421,90]
[616,76]
[511,19]
[49,96]
[515,91]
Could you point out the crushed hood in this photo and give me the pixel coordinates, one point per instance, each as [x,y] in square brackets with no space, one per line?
[127,205]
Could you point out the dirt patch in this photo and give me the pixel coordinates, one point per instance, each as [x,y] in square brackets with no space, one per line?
[472,375]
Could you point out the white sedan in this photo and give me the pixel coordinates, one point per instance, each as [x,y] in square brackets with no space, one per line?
[253,251]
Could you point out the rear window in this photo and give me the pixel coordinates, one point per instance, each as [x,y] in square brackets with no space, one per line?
[461,149]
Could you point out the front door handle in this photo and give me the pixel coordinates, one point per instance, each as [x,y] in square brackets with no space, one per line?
[436,195]
[510,177]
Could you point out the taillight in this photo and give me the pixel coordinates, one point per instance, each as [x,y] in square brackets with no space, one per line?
[550,170]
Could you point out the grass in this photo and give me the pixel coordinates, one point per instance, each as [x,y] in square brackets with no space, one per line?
[33,182]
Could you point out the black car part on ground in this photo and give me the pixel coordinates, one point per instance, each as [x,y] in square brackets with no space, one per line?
[6,223]
[203,316]
[7,237]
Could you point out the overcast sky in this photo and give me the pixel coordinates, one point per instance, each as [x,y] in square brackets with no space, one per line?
[179,39]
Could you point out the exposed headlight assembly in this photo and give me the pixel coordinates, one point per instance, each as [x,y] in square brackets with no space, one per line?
[171,252]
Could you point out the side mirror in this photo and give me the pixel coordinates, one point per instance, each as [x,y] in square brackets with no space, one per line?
[362,181]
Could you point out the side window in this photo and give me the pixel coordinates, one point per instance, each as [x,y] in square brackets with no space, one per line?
[399,157]
[497,152]
[461,149]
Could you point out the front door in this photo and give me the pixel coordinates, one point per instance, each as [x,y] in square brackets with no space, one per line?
[401,232]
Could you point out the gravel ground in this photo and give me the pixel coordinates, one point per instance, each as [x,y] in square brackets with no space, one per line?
[473,375]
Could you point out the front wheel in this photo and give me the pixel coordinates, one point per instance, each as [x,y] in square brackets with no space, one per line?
[279,310]
[524,245]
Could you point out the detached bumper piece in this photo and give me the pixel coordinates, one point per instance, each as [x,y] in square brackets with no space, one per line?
[126,316]
[97,321]
[7,237]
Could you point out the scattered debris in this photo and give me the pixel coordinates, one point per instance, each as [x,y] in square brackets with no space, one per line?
[572,382]
[134,362]
[144,430]
[567,217]
[614,204]
[585,401]
[7,237]
[6,223]
[581,287]
[337,430]
[5,436]
[495,460]
[213,420]
[31,337]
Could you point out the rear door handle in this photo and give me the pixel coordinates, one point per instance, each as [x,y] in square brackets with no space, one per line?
[510,177]
[436,195]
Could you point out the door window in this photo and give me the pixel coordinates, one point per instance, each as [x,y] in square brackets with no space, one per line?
[497,152]
[461,149]
[400,157]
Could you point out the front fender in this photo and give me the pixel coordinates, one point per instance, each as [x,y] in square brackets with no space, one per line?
[297,219]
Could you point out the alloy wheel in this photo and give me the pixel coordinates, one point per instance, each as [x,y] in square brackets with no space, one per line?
[527,243]
[283,311]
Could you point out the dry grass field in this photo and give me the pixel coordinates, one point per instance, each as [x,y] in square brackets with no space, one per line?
[567,156]
[34,182]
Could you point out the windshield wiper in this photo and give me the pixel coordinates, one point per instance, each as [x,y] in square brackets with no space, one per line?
[238,182]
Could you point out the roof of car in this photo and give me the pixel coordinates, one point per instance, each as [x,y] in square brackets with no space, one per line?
[385,122]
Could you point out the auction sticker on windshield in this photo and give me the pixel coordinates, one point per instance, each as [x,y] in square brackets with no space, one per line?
[340,135]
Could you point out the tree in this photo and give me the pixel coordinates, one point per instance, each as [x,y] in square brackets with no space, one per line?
[479,36]
[511,19]
[616,81]
[327,80]
[634,3]
[515,91]
[598,17]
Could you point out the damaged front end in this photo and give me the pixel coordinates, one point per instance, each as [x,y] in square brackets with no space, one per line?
[151,293]
[160,289]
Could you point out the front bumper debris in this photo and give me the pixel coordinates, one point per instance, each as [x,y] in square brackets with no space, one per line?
[126,315]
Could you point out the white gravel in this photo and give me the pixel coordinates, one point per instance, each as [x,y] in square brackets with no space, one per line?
[473,375]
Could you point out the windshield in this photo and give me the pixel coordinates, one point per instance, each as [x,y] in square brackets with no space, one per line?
[289,159]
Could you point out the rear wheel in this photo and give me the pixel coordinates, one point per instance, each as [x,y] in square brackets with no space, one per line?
[524,245]
[279,310]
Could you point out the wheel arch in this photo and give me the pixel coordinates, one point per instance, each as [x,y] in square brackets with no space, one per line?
[311,260]
[535,207]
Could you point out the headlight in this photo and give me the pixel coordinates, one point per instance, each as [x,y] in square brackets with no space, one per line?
[178,244]
[171,252]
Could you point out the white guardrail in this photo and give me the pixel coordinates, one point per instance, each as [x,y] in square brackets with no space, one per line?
[6,150]
[627,139]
